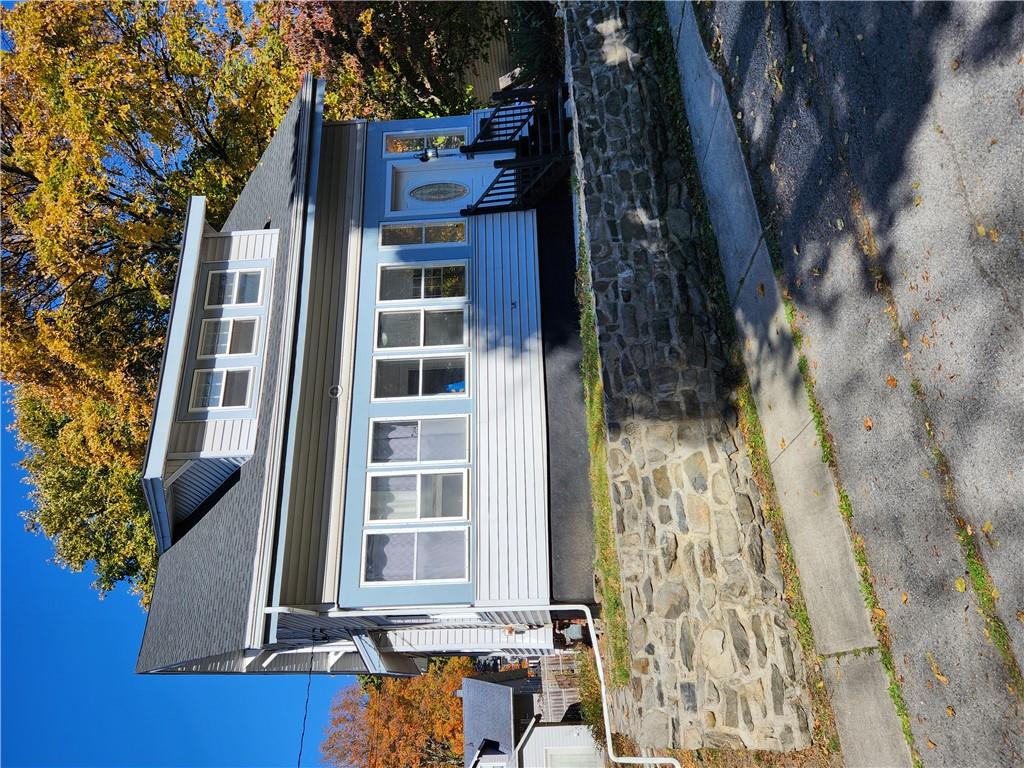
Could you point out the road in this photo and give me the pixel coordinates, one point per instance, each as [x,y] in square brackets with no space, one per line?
[887,144]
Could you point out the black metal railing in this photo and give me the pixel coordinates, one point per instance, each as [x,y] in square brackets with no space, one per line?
[530,122]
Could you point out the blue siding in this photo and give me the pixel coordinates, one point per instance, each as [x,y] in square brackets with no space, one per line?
[351,593]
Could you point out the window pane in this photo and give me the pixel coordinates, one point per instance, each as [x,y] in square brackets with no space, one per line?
[389,557]
[443,327]
[441,495]
[400,283]
[397,378]
[393,497]
[222,285]
[394,441]
[207,389]
[412,143]
[447,141]
[236,388]
[446,232]
[444,375]
[248,288]
[243,337]
[441,555]
[445,282]
[215,338]
[443,440]
[398,329]
[401,234]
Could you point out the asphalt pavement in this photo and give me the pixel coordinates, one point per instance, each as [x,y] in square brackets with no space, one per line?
[908,120]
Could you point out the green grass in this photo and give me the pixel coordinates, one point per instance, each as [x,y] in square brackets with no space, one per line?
[606,559]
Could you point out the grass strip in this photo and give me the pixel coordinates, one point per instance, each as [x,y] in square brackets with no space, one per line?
[606,558]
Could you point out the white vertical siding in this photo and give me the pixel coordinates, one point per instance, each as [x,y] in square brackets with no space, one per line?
[574,739]
[217,437]
[511,456]
[532,642]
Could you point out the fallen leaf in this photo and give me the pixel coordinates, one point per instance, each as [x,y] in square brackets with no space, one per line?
[916,185]
[917,316]
[879,612]
[935,669]
[995,593]
[993,142]
[782,442]
[918,200]
[954,64]
[987,527]
[868,423]
[904,597]
[993,234]
[891,381]
[960,585]
[931,744]
[1020,616]
[905,343]
[925,474]
[981,230]
[950,711]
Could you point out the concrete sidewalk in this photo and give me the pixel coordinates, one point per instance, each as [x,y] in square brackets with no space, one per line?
[866,719]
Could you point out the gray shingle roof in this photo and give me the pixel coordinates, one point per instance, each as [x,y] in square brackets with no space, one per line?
[487,718]
[204,581]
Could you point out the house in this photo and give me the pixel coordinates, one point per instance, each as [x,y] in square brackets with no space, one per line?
[368,441]
[502,730]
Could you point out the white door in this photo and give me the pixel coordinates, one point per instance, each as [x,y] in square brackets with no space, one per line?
[441,186]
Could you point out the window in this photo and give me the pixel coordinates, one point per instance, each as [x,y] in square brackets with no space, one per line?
[421,328]
[233,288]
[419,377]
[446,281]
[235,336]
[419,440]
[416,496]
[423,233]
[221,388]
[414,556]
[405,143]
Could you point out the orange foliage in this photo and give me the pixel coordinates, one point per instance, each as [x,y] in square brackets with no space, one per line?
[414,722]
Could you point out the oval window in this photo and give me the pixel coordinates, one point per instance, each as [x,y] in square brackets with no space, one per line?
[438,192]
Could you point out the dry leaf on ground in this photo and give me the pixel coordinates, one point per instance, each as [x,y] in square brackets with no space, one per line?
[868,423]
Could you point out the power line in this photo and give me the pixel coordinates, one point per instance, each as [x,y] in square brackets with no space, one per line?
[305,709]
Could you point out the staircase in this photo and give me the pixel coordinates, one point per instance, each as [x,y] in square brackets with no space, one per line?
[530,122]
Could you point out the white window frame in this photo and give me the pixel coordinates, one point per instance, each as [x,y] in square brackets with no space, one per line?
[417,522]
[423,224]
[387,309]
[238,270]
[416,530]
[221,408]
[231,330]
[414,132]
[417,461]
[423,265]
[377,358]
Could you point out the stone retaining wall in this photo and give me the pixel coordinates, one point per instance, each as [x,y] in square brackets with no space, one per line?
[715,658]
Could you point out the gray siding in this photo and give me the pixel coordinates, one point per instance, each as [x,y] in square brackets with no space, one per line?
[484,76]
[338,211]
[511,490]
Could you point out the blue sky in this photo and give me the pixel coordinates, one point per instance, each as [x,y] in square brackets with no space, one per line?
[69,693]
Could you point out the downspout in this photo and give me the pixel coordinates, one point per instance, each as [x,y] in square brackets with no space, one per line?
[584,609]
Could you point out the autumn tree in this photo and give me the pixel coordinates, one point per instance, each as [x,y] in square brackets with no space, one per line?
[113,113]
[391,60]
[411,721]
